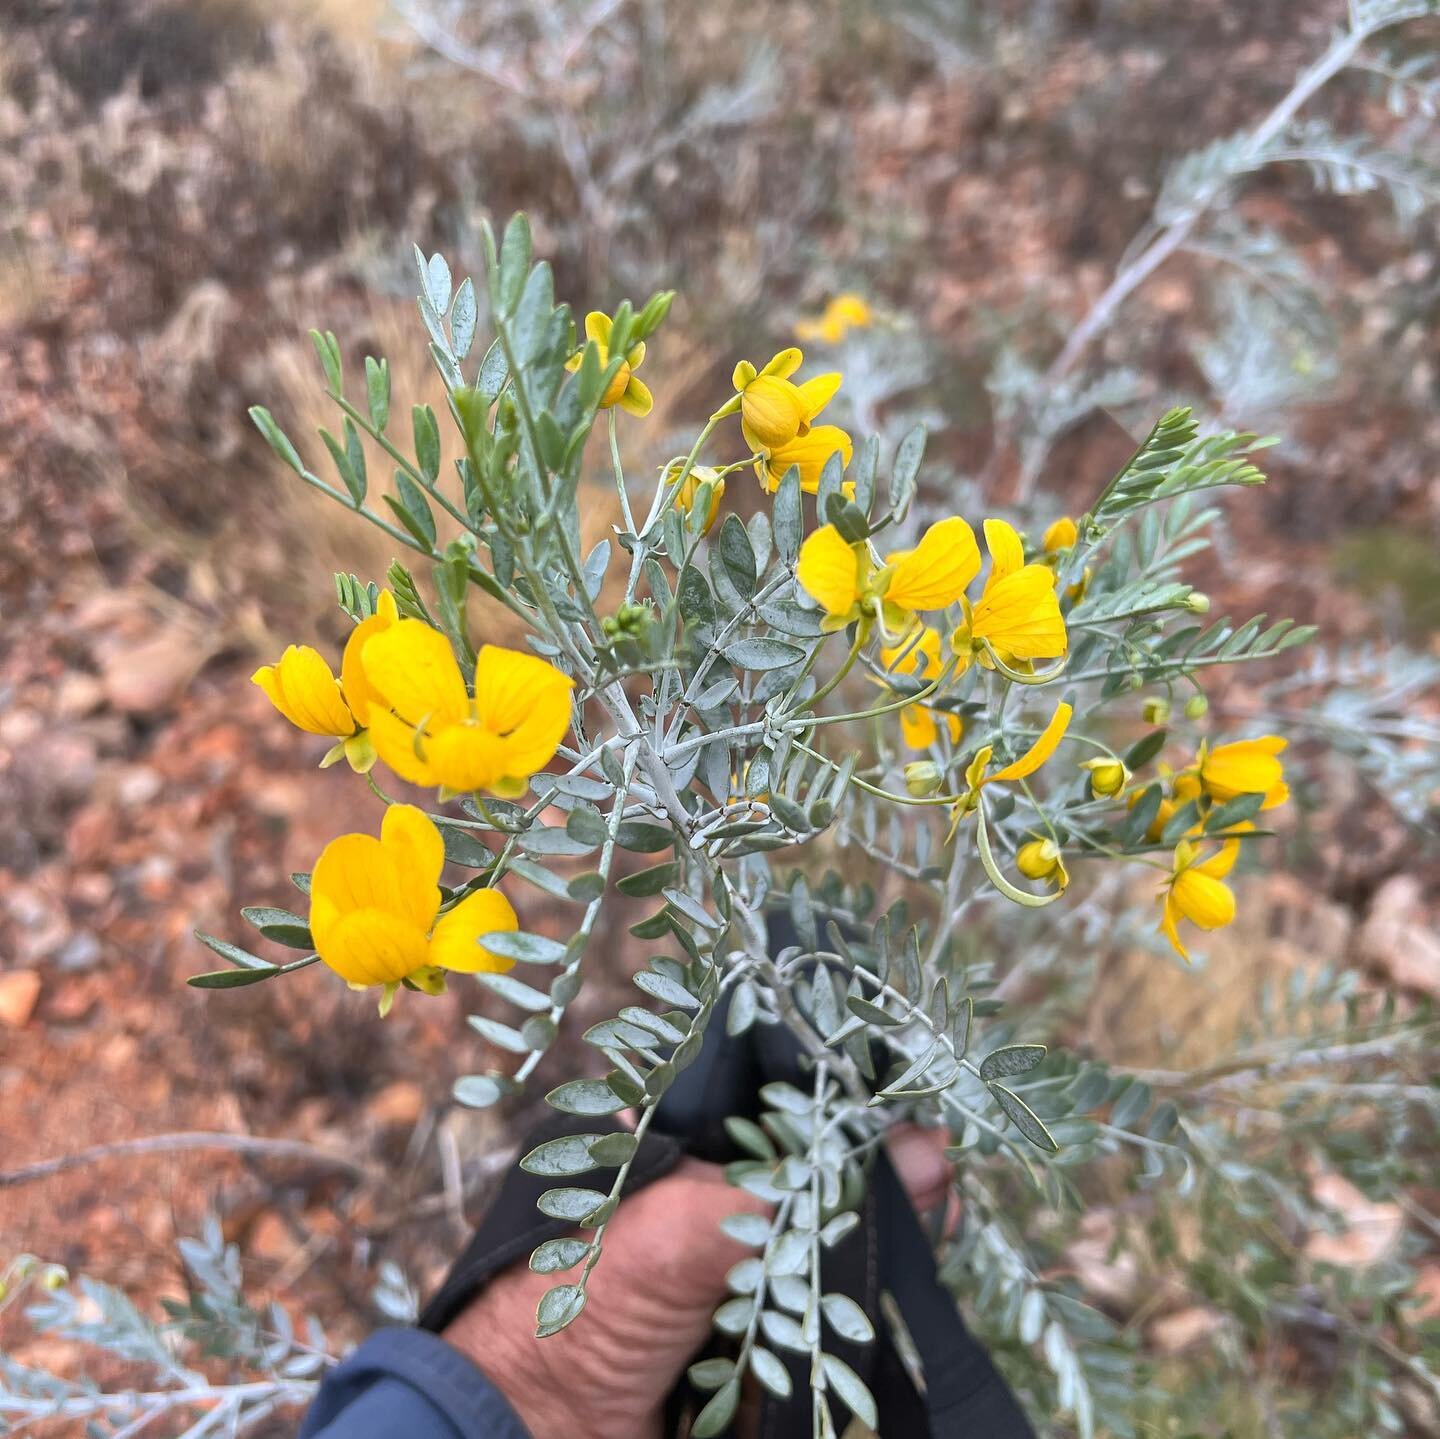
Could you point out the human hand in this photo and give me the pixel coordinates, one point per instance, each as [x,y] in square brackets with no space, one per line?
[650,1302]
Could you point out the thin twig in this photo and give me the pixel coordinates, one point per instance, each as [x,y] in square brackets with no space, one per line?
[190,1139]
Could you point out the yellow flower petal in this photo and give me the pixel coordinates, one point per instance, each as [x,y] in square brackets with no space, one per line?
[454,945]
[394,742]
[597,327]
[1007,553]
[360,694]
[302,687]
[772,412]
[784,364]
[1040,751]
[414,669]
[374,947]
[417,851]
[809,453]
[1168,927]
[1221,863]
[526,701]
[936,572]
[465,757]
[831,570]
[635,355]
[636,398]
[1062,535]
[921,659]
[1020,615]
[1202,899]
[815,394]
[1245,767]
[918,726]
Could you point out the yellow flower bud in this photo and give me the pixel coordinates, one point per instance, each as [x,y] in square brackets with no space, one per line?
[1060,536]
[685,496]
[923,777]
[617,387]
[772,412]
[1040,859]
[1155,711]
[1196,706]
[1197,603]
[1107,776]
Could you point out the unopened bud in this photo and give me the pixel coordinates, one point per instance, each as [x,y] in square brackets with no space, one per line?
[1196,706]
[1197,603]
[1107,777]
[1040,859]
[54,1277]
[1155,711]
[923,777]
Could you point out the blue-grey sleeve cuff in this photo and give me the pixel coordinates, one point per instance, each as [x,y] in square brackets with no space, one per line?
[406,1381]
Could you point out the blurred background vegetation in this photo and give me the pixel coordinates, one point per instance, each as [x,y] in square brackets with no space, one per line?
[186,186]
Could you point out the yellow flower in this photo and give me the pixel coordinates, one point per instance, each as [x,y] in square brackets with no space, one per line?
[632,395]
[1249,766]
[439,735]
[922,660]
[1197,892]
[844,313]
[1107,776]
[1017,612]
[1041,859]
[1060,536]
[686,495]
[808,453]
[304,689]
[375,907]
[1045,745]
[923,777]
[773,409]
[843,578]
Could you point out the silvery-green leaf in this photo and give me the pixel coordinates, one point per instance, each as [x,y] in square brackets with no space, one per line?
[790,1292]
[480,1091]
[746,1228]
[838,1228]
[715,1417]
[745,1277]
[789,1254]
[585,1096]
[529,948]
[576,1205]
[852,1390]
[762,654]
[1011,1059]
[515,992]
[558,1254]
[710,1373]
[733,1316]
[770,1371]
[557,1308]
[847,1318]
[744,1006]
[1024,1118]
[665,990]
[497,1033]
[781,1329]
[462,319]
[570,1154]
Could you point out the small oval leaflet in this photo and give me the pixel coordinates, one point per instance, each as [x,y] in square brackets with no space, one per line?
[558,1306]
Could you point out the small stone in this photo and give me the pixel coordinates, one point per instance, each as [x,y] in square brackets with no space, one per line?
[1368,1232]
[399,1103]
[80,951]
[138,785]
[19,992]
[148,676]
[1183,1329]
[78,694]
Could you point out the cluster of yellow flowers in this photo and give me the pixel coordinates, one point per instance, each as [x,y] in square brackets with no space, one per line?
[1015,621]
[402,697]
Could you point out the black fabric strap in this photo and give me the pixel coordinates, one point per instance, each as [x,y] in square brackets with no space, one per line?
[965,1397]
